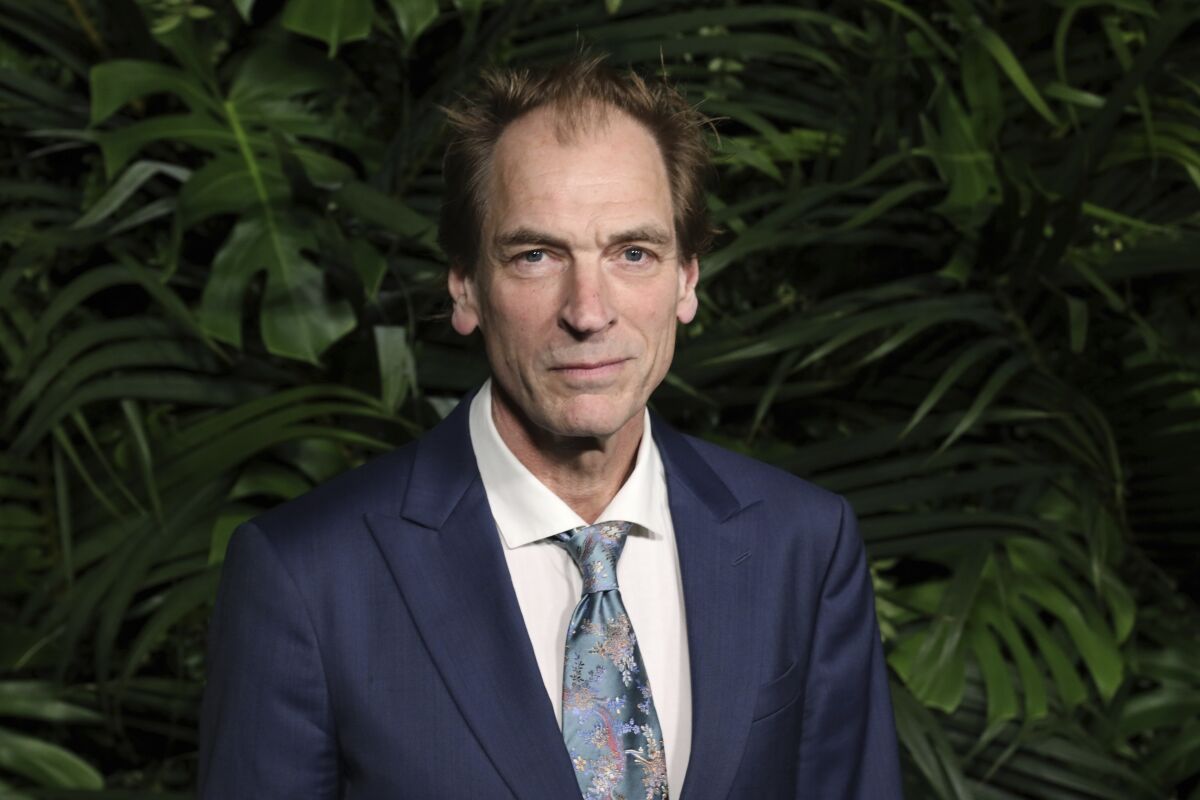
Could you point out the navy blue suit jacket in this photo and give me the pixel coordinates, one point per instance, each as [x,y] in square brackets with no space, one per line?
[367,643]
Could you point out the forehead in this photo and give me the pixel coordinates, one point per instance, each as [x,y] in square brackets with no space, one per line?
[601,165]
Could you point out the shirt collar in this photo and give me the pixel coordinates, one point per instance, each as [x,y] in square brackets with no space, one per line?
[526,510]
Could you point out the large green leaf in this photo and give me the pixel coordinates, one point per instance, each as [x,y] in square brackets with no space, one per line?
[299,319]
[46,764]
[198,129]
[414,16]
[332,21]
[115,83]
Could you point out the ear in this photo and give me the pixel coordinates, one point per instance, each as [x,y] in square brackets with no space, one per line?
[689,275]
[464,294]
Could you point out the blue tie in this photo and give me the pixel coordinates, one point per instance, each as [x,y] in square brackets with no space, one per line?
[609,723]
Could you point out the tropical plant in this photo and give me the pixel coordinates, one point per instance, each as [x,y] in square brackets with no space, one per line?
[958,283]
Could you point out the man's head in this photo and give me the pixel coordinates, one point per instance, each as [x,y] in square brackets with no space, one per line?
[575,90]
[578,258]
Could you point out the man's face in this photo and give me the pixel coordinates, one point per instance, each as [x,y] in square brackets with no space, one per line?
[579,282]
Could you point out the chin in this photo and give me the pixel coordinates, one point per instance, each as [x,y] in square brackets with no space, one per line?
[592,417]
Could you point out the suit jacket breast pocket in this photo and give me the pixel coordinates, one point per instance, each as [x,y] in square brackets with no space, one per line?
[780,692]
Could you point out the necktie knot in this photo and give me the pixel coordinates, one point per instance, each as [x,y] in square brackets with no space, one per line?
[595,550]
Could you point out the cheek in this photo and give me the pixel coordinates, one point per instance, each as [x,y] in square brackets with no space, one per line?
[516,318]
[658,325]
[664,312]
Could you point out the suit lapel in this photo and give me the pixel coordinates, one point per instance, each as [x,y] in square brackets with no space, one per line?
[716,565]
[445,555]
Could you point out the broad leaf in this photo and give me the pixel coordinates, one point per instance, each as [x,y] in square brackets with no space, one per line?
[299,318]
[334,22]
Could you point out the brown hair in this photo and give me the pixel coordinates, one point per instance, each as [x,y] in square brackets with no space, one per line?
[580,91]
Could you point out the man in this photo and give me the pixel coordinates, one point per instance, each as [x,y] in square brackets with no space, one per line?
[553,594]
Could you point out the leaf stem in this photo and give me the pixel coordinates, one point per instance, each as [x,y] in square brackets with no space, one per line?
[89,29]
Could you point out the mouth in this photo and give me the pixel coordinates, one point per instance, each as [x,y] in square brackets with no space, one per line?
[601,368]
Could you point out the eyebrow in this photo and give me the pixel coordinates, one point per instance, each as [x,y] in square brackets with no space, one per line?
[529,237]
[651,234]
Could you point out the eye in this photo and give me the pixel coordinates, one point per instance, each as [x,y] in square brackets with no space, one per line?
[532,256]
[634,254]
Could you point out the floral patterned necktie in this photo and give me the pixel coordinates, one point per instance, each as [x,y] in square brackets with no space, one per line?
[609,723]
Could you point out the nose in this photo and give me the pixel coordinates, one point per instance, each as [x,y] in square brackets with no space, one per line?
[586,307]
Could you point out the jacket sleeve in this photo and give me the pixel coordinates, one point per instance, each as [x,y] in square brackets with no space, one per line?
[848,741]
[266,728]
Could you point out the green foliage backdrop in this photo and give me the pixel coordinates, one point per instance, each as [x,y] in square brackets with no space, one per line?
[958,283]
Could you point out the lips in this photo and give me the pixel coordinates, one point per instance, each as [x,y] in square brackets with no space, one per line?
[584,370]
[588,365]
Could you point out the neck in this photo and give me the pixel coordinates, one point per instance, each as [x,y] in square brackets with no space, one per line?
[586,472]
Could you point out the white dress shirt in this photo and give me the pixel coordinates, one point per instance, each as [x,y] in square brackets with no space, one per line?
[548,584]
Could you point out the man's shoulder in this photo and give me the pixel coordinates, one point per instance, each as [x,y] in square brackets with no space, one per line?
[340,503]
[752,480]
